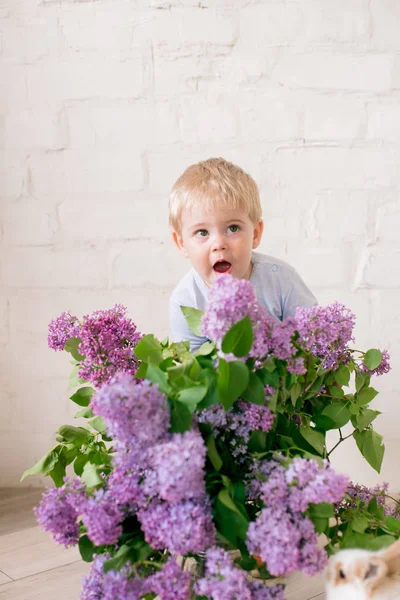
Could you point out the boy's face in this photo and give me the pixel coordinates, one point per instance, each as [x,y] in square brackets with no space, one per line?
[218,241]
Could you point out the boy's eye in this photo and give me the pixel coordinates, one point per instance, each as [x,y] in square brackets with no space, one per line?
[201,233]
[233,228]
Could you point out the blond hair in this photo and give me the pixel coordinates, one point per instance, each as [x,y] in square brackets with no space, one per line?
[214,182]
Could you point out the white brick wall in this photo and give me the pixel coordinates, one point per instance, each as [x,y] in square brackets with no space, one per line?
[103,103]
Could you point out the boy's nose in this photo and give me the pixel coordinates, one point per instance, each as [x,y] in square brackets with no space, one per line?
[219,243]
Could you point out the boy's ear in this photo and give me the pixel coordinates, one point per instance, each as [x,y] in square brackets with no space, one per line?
[179,243]
[257,234]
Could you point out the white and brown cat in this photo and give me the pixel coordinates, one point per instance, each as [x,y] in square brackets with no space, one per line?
[363,575]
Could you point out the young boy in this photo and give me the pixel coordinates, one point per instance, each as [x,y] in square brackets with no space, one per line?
[215,215]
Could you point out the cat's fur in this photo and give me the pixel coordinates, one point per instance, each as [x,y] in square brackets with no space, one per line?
[363,575]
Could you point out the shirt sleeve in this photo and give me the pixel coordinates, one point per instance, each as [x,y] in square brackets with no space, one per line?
[297,295]
[180,330]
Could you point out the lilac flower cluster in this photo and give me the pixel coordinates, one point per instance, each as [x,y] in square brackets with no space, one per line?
[170,583]
[326,331]
[282,535]
[108,341]
[61,329]
[181,528]
[381,369]
[103,518]
[230,300]
[236,425]
[176,468]
[158,474]
[59,509]
[224,581]
[133,410]
[357,491]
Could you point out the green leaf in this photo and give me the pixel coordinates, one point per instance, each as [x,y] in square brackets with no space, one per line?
[366,541]
[74,379]
[366,395]
[90,475]
[79,464]
[239,338]
[118,561]
[372,359]
[181,418]
[342,375]
[359,523]
[149,350]
[205,349]
[72,346]
[192,396]
[193,318]
[227,501]
[232,381]
[254,392]
[82,396]
[142,370]
[85,413]
[371,447]
[58,472]
[212,453]
[335,415]
[365,417]
[315,438]
[74,435]
[360,380]
[392,524]
[295,392]
[44,465]
[86,548]
[336,392]
[322,510]
[155,375]
[98,424]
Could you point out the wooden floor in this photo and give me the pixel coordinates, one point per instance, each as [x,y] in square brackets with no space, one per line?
[33,567]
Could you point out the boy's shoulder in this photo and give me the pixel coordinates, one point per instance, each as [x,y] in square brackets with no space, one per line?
[190,291]
[271,264]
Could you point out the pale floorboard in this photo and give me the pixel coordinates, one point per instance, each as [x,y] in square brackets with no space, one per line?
[33,567]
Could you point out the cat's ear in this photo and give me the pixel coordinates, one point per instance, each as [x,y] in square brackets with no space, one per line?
[372,572]
[391,557]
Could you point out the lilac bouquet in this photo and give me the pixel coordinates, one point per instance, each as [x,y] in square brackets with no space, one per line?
[218,457]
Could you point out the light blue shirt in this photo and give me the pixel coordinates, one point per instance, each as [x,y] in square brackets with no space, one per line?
[278,286]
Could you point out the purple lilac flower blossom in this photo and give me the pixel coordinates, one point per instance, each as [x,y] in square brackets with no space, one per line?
[108,342]
[296,366]
[282,535]
[261,591]
[181,528]
[122,585]
[92,588]
[123,483]
[61,329]
[103,518]
[222,580]
[357,491]
[258,417]
[326,331]
[59,509]
[282,333]
[230,300]
[381,369]
[178,468]
[171,583]
[133,412]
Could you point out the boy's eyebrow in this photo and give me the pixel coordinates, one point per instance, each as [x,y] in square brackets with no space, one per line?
[205,225]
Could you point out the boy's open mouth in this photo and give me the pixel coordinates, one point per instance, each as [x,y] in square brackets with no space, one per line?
[222,266]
